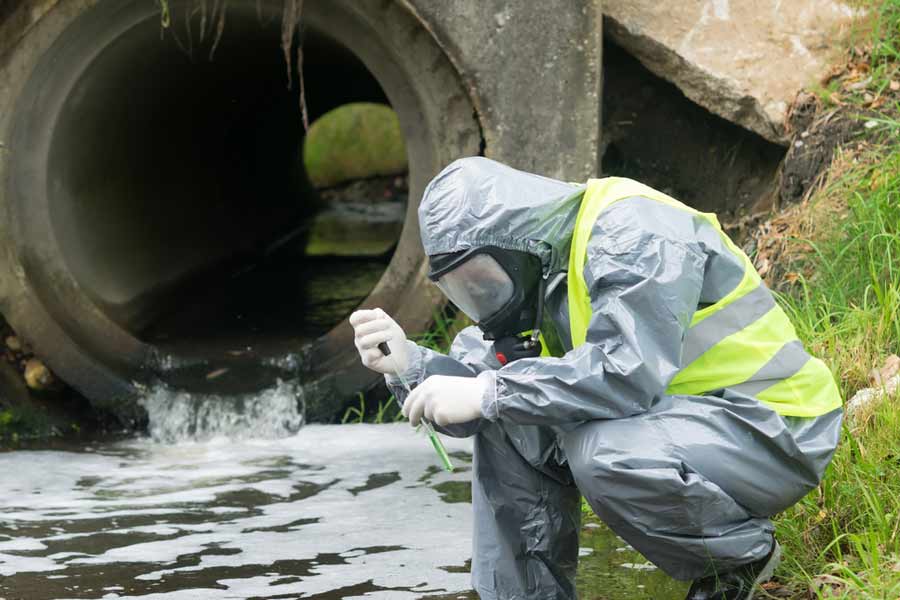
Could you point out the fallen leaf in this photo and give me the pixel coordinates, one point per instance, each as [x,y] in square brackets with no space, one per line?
[894,85]
[834,72]
[777,590]
[217,373]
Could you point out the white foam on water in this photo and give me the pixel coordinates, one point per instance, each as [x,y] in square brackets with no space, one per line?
[312,497]
[177,415]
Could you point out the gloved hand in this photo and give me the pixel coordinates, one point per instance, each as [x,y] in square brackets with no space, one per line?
[446,400]
[372,327]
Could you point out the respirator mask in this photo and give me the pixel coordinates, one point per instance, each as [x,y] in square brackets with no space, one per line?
[501,290]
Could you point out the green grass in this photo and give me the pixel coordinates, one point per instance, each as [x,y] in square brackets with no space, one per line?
[844,538]
[849,308]
[446,324]
[843,296]
[386,411]
[885,54]
[22,422]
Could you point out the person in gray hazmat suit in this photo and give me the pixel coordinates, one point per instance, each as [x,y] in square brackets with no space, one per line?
[625,350]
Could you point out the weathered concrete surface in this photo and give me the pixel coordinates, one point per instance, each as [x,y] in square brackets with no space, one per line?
[533,72]
[16,21]
[744,61]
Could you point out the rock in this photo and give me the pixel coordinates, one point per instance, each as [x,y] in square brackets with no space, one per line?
[884,381]
[354,141]
[37,375]
[356,229]
[744,61]
[863,403]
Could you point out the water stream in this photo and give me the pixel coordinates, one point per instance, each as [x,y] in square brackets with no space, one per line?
[213,510]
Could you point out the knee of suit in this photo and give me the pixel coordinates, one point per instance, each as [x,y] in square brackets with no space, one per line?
[623,477]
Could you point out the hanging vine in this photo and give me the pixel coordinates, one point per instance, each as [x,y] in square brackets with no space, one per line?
[211,15]
[291,29]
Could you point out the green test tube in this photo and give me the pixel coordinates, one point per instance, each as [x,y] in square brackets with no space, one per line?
[438,445]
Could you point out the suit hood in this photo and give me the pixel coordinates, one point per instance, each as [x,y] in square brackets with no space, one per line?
[476,202]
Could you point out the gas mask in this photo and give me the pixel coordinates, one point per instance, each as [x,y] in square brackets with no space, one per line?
[501,290]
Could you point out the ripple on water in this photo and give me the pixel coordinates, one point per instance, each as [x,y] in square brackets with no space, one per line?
[325,513]
[357,511]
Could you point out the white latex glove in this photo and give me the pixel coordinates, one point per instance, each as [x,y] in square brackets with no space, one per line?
[446,400]
[372,327]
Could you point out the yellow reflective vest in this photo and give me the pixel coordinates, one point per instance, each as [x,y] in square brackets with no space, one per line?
[744,341]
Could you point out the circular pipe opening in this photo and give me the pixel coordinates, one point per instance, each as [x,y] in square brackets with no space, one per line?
[179,201]
[185,220]
[160,209]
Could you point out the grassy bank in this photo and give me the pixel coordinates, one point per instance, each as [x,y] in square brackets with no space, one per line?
[839,278]
[843,295]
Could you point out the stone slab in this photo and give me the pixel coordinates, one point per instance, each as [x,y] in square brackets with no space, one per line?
[744,61]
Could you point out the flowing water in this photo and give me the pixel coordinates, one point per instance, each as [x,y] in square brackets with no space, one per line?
[207,507]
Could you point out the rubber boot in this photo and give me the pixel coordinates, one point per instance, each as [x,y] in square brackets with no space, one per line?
[738,584]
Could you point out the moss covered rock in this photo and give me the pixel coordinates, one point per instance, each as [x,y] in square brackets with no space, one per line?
[354,141]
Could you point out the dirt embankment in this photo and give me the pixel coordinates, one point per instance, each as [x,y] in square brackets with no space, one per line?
[842,124]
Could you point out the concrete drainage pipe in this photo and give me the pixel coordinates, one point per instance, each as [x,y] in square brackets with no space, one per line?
[138,178]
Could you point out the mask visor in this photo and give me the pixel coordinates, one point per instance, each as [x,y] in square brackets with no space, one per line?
[479,287]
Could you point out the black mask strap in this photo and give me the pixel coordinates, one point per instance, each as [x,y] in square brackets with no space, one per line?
[514,347]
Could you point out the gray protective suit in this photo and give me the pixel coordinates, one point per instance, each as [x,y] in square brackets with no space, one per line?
[689,481]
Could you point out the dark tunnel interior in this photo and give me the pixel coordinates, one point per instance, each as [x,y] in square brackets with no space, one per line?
[178,192]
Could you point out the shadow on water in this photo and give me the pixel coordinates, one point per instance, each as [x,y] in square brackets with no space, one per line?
[316,515]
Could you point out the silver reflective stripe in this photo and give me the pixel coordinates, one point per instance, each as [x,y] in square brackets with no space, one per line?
[736,316]
[789,359]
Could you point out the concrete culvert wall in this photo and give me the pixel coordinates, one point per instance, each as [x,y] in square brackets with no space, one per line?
[156,205]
